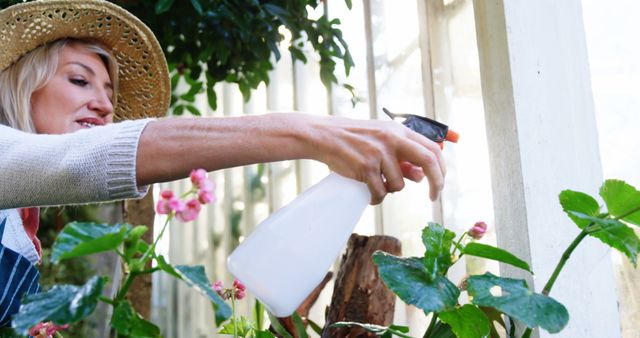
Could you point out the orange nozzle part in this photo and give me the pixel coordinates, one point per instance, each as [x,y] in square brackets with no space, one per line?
[452,136]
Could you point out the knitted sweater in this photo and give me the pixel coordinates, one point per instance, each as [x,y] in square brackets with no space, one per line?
[87,166]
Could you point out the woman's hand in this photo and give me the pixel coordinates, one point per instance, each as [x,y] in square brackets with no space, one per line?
[378,153]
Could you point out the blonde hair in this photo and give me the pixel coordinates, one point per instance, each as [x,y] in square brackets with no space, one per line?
[32,72]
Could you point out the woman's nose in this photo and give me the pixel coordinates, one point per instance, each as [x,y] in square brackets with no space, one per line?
[102,104]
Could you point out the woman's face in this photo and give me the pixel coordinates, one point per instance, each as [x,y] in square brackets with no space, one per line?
[77,97]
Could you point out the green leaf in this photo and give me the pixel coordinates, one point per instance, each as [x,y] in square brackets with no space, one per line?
[299,325]
[131,241]
[243,327]
[378,330]
[197,6]
[348,2]
[615,234]
[81,239]
[166,267]
[575,201]
[130,323]
[277,326]
[265,334]
[193,110]
[438,241]
[62,304]
[496,254]
[7,332]
[407,278]
[467,321]
[297,54]
[163,6]
[195,277]
[622,200]
[511,296]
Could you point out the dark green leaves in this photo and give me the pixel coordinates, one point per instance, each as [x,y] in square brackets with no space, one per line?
[81,239]
[497,254]
[511,296]
[62,304]
[163,6]
[128,322]
[467,321]
[623,200]
[195,277]
[437,241]
[378,330]
[408,278]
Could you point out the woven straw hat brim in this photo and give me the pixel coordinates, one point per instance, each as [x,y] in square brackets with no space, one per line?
[144,85]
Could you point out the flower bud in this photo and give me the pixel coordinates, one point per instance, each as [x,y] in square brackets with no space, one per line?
[478,230]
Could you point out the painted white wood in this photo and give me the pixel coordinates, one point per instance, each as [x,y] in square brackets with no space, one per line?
[543,139]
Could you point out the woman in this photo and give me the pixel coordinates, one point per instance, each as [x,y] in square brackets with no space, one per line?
[69,69]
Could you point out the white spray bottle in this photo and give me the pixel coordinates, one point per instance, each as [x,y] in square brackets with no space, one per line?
[290,252]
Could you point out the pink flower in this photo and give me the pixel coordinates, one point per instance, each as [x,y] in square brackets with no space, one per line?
[205,196]
[240,294]
[166,194]
[478,230]
[190,212]
[218,288]
[162,207]
[46,330]
[176,205]
[197,176]
[239,289]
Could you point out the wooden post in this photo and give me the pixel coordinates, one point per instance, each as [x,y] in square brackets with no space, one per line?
[359,295]
[141,212]
[542,139]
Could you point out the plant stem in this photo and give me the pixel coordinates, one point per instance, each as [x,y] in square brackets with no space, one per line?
[152,247]
[563,261]
[107,300]
[233,314]
[125,287]
[432,325]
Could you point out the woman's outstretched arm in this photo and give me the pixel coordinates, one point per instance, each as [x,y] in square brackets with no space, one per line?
[379,153]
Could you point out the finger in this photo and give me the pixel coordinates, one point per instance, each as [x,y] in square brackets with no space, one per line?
[394,180]
[431,146]
[376,187]
[411,172]
[428,161]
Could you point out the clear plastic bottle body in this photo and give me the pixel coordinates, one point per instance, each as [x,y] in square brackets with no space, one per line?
[289,253]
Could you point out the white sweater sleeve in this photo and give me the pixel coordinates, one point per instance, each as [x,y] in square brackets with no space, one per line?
[93,165]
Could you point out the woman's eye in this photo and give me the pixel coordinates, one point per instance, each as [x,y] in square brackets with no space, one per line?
[79,82]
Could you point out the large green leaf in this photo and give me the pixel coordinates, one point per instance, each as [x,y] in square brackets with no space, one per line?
[378,330]
[243,327]
[407,278]
[129,323]
[467,321]
[437,257]
[615,234]
[514,298]
[497,254]
[62,304]
[622,199]
[81,239]
[575,201]
[195,277]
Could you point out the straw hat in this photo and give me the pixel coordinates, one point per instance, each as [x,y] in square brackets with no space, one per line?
[145,89]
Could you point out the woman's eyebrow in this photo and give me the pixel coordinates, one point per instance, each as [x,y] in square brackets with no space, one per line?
[90,70]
